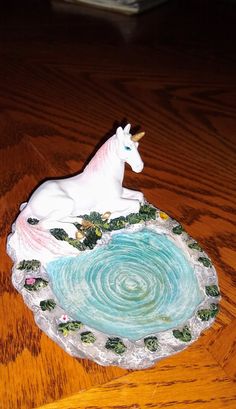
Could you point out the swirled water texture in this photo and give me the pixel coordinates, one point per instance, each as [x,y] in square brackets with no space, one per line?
[140,283]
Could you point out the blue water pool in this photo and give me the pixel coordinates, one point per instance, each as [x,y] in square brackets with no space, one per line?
[139,284]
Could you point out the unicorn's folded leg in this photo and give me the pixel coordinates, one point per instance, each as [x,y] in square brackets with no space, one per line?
[124,207]
[132,194]
[71,219]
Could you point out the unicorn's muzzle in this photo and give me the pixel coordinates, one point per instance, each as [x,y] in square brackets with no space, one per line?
[138,168]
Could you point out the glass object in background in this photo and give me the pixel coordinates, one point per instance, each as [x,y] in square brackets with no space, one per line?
[122,6]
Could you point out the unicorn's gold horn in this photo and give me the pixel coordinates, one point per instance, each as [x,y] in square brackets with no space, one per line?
[137,136]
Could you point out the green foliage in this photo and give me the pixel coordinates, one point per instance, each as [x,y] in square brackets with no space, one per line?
[76,243]
[37,285]
[87,337]
[184,335]
[93,217]
[116,345]
[66,327]
[117,224]
[178,229]
[59,234]
[147,212]
[151,343]
[47,305]
[214,309]
[204,314]
[77,225]
[96,219]
[92,235]
[96,225]
[105,226]
[212,290]
[205,261]
[195,246]
[29,265]
[32,221]
[207,313]
[133,218]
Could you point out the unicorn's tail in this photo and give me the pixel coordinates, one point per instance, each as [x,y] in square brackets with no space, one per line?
[29,241]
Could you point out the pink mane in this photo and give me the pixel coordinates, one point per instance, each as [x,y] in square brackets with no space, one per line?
[104,157]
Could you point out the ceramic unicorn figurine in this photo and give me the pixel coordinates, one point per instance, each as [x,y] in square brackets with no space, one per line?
[58,203]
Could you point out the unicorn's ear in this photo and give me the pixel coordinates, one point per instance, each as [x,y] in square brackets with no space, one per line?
[127,128]
[120,133]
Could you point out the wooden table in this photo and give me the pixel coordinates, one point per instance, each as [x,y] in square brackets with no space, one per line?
[69,77]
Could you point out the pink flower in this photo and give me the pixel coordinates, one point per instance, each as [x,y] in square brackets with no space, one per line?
[64,318]
[30,281]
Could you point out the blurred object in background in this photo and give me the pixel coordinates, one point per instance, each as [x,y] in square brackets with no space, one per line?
[122,6]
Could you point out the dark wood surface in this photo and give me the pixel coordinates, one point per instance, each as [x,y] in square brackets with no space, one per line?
[68,77]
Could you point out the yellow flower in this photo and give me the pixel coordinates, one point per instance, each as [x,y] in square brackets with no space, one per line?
[163,216]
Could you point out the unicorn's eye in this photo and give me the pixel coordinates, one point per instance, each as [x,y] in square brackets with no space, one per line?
[127,148]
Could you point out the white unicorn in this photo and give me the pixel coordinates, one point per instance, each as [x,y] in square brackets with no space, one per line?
[58,203]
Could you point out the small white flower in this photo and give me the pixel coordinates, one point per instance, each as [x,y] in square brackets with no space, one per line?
[64,318]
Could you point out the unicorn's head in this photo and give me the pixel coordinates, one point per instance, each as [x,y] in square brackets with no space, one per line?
[128,148]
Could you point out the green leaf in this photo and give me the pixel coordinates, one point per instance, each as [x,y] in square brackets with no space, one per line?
[195,246]
[47,305]
[151,343]
[59,234]
[116,345]
[105,226]
[29,265]
[214,309]
[117,223]
[38,284]
[94,217]
[133,218]
[207,313]
[212,290]
[76,243]
[65,327]
[91,238]
[98,232]
[74,325]
[77,225]
[64,331]
[178,229]
[184,335]
[87,337]
[32,221]
[147,212]
[205,261]
[204,314]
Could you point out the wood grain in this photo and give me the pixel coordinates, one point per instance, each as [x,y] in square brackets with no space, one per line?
[177,384]
[66,81]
